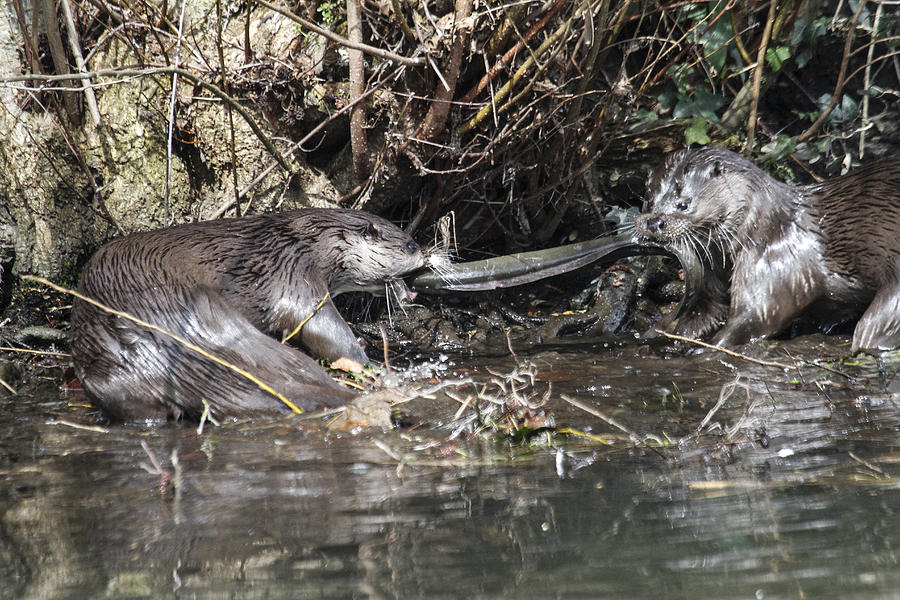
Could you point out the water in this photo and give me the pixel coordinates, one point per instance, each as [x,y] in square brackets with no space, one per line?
[791,490]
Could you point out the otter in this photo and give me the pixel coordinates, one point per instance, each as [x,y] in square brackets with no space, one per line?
[773,254]
[220,285]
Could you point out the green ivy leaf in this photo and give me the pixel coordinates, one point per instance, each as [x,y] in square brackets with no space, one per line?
[715,44]
[776,57]
[696,133]
[645,116]
[704,104]
[779,147]
[668,99]
[849,108]
[805,39]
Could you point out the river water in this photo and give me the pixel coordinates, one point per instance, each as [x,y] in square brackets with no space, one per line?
[789,489]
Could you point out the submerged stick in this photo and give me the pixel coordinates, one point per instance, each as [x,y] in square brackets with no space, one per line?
[632,434]
[73,425]
[765,363]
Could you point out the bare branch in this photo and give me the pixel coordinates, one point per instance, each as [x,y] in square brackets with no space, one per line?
[359,146]
[343,41]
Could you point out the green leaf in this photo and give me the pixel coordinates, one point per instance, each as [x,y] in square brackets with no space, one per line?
[846,110]
[696,133]
[776,57]
[849,108]
[645,116]
[822,101]
[667,99]
[715,44]
[704,104]
[781,146]
[805,39]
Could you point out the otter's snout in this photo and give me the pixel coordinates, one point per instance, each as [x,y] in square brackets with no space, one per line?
[649,225]
[655,225]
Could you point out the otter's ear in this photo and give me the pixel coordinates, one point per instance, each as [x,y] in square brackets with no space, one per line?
[717,168]
[370,232]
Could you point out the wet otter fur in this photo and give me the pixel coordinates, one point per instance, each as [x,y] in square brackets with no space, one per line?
[220,285]
[772,253]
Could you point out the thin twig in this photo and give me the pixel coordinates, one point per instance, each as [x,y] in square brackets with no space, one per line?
[11,389]
[205,416]
[401,21]
[387,450]
[869,465]
[94,428]
[798,363]
[385,347]
[436,118]
[156,468]
[293,148]
[28,44]
[248,51]
[343,41]
[633,435]
[510,54]
[171,131]
[226,86]
[41,352]
[867,80]
[308,317]
[89,97]
[696,33]
[757,77]
[58,54]
[765,363]
[507,88]
[724,394]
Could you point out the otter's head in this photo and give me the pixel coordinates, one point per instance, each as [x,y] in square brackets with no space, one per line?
[370,251]
[697,199]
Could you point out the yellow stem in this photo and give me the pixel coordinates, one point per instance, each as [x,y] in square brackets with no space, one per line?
[311,315]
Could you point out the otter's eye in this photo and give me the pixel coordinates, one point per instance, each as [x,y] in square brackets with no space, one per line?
[681,205]
[412,247]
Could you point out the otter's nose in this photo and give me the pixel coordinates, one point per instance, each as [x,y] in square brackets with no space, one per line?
[655,224]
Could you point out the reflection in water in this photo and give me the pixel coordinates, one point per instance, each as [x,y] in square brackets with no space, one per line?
[803,506]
